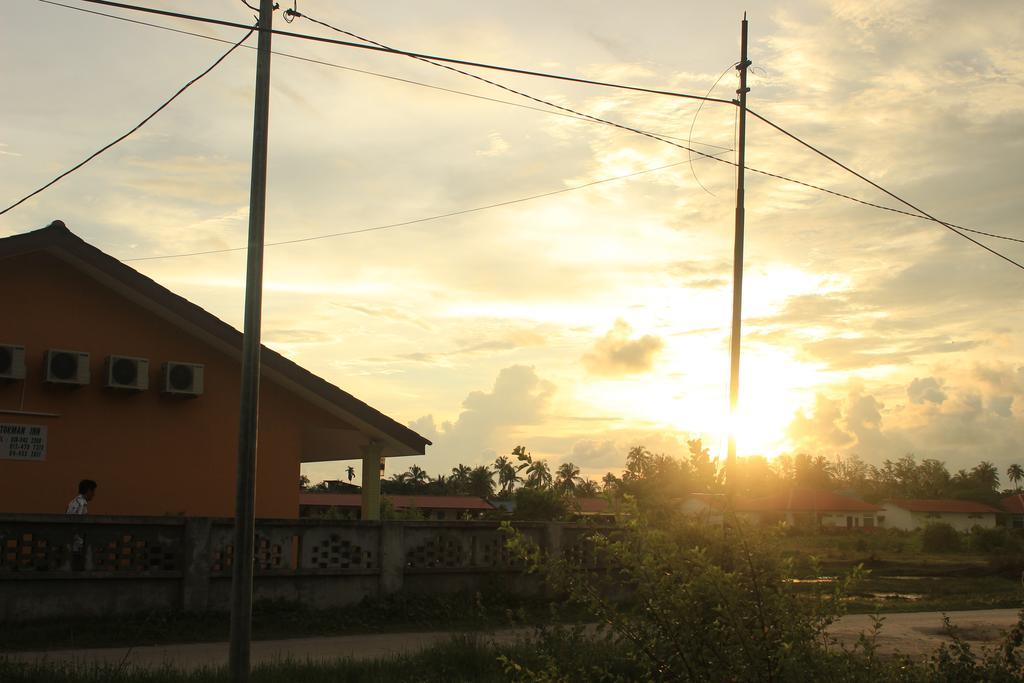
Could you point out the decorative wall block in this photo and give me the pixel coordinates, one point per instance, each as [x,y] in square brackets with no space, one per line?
[130,553]
[335,552]
[443,550]
[31,552]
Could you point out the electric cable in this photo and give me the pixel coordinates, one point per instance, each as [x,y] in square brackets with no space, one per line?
[137,127]
[377,48]
[949,226]
[693,123]
[320,62]
[414,221]
[919,214]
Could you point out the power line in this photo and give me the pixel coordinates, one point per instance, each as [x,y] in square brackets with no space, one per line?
[414,221]
[919,214]
[922,212]
[360,71]
[417,55]
[137,127]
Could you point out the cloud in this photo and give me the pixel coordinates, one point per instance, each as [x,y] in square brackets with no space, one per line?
[926,389]
[496,146]
[960,422]
[519,397]
[616,354]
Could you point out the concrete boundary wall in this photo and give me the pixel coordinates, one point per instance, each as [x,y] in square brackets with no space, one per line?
[137,564]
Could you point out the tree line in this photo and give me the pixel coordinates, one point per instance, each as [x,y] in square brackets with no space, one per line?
[648,476]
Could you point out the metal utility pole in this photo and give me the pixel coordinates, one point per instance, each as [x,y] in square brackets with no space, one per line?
[245,493]
[737,260]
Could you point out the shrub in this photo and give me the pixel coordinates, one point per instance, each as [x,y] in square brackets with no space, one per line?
[940,538]
[542,505]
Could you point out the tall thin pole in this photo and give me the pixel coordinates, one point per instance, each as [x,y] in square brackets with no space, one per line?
[245,493]
[737,261]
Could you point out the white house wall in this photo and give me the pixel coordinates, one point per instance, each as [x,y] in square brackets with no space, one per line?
[900,518]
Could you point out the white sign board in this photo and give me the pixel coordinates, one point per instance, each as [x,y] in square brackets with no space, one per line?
[22,442]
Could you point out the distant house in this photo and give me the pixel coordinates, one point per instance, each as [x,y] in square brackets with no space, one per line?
[962,515]
[811,507]
[433,507]
[1013,506]
[707,507]
[595,509]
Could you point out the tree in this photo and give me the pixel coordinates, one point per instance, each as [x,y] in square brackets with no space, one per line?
[587,488]
[703,467]
[417,476]
[481,481]
[610,483]
[303,482]
[540,504]
[1015,473]
[350,472]
[459,481]
[508,474]
[567,477]
[538,474]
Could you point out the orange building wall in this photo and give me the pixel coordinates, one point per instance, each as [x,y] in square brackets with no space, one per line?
[150,454]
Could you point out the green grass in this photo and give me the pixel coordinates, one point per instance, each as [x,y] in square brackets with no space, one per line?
[278,620]
[877,593]
[462,659]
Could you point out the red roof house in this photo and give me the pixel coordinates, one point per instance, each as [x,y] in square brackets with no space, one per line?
[816,507]
[432,507]
[963,515]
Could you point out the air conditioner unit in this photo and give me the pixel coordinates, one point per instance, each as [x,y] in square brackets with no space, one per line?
[12,362]
[66,367]
[125,372]
[182,379]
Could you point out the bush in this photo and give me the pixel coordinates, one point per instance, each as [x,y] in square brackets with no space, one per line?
[540,505]
[940,538]
[994,540]
[685,601]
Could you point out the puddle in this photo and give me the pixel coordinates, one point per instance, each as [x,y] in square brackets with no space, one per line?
[894,596]
[820,579]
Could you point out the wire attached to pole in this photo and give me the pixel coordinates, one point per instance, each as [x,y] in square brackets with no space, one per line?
[137,127]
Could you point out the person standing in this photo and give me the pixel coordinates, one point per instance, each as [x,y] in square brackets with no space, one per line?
[79,505]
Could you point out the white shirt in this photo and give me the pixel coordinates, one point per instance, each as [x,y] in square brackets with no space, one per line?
[78,506]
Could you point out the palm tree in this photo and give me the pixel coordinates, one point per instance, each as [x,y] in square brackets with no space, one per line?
[481,481]
[1015,473]
[538,474]
[610,482]
[417,476]
[588,488]
[508,475]
[568,476]
[460,477]
[350,472]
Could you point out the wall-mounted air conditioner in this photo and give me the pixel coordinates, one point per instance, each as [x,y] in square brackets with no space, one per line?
[181,379]
[125,372]
[12,362]
[66,367]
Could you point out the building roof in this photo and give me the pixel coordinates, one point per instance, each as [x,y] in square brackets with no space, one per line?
[1014,503]
[926,505]
[58,240]
[804,500]
[593,506]
[400,502]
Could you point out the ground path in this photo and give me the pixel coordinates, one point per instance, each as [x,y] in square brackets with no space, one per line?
[912,633]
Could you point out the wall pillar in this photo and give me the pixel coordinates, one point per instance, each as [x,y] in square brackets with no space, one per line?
[371,480]
[195,564]
[392,557]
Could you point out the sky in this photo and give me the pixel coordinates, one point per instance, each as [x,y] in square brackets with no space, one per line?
[596,319]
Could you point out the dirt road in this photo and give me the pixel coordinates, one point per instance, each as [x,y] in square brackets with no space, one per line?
[910,633]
